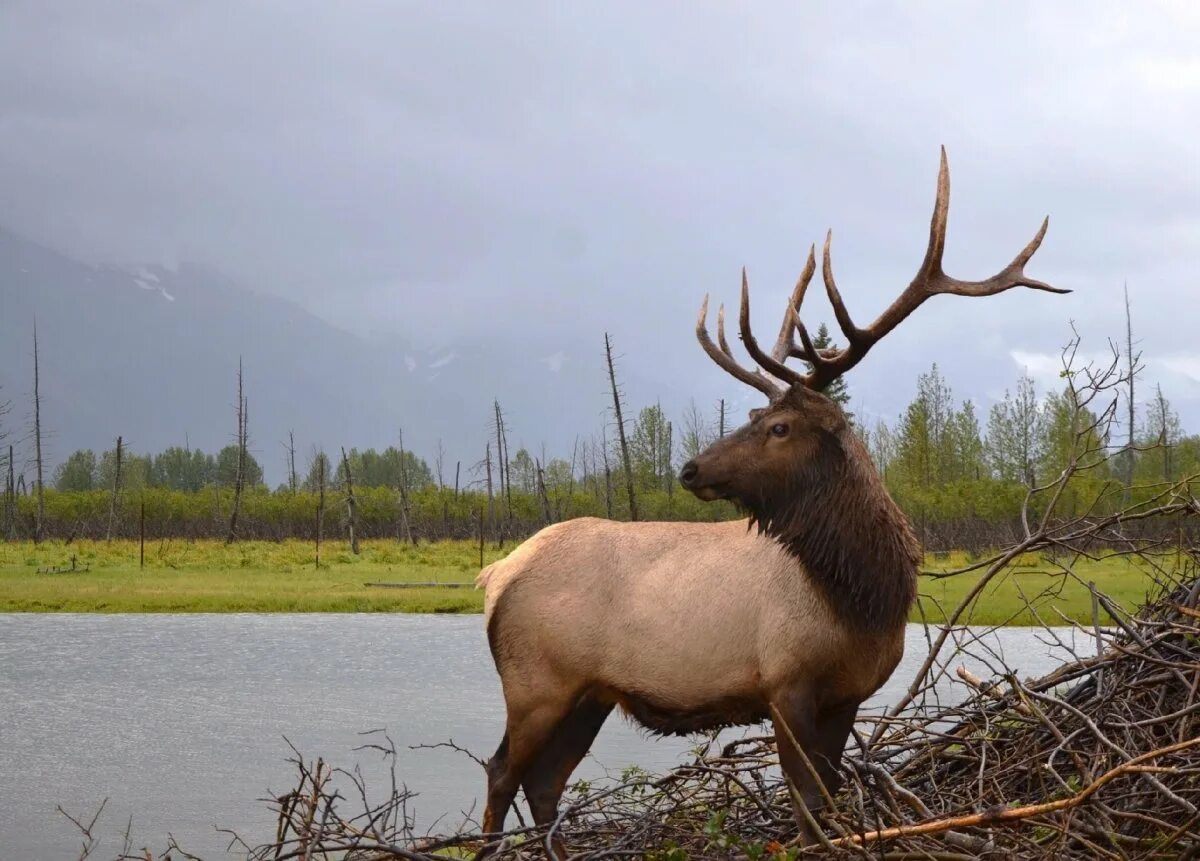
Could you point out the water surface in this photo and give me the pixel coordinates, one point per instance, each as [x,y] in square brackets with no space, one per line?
[179,720]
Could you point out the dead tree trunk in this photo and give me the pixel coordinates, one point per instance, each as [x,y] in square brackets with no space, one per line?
[503,467]
[541,489]
[1165,441]
[608,485]
[405,509]
[142,535]
[292,462]
[668,473]
[240,476]
[721,418]
[351,503]
[322,468]
[10,500]
[616,393]
[457,467]
[487,461]
[39,523]
[1132,372]
[116,491]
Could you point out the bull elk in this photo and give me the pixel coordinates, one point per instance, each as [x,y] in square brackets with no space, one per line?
[796,614]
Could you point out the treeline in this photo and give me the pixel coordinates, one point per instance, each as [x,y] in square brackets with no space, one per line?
[964,484]
[965,480]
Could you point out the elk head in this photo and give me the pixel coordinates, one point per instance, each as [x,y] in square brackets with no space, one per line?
[801,438]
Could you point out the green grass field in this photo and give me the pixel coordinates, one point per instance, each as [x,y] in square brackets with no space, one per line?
[265,577]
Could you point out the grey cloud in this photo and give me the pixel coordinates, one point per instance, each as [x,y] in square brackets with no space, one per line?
[531,174]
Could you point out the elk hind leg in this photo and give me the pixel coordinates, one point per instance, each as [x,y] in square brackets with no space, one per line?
[547,776]
[527,731]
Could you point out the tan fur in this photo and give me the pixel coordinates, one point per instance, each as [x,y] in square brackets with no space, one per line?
[686,615]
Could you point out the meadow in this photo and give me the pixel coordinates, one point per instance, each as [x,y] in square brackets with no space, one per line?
[209,576]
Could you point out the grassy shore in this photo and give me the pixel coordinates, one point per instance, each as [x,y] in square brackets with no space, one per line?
[264,577]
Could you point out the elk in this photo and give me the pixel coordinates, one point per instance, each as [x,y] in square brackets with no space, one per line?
[795,614]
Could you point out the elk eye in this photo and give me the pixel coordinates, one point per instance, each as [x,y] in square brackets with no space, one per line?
[779,429]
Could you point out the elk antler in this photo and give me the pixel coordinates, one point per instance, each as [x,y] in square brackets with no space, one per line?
[829,364]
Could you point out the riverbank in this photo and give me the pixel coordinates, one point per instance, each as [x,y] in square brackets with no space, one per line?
[267,577]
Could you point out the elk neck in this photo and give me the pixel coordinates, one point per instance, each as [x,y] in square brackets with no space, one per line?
[835,517]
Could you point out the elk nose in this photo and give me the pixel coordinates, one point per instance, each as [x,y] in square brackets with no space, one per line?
[688,474]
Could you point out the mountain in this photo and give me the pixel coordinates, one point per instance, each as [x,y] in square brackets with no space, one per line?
[151,353]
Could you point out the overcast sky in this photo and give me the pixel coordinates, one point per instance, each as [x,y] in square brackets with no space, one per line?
[453,172]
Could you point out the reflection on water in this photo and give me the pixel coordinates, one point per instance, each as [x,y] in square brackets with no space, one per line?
[179,720]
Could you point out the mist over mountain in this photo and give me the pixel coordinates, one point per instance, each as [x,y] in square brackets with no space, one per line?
[151,353]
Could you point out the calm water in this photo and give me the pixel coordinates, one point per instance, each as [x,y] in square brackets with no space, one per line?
[180,720]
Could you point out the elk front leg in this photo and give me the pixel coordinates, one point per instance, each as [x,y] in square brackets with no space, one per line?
[801,734]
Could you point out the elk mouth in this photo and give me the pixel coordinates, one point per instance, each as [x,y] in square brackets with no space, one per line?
[710,492]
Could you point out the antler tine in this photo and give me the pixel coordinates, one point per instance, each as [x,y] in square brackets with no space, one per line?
[724,358]
[721,331]
[930,280]
[853,333]
[785,345]
[772,366]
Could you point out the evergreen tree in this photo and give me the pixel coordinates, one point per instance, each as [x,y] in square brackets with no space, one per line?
[77,472]
[523,472]
[1015,438]
[182,469]
[318,468]
[837,391]
[965,458]
[226,468]
[1161,434]
[924,444]
[650,448]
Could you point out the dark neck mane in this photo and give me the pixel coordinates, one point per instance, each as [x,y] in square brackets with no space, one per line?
[837,519]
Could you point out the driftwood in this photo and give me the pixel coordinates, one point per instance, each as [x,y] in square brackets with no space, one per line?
[429,585]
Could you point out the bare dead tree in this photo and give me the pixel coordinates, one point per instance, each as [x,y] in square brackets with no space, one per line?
[575,458]
[10,500]
[487,463]
[405,510]
[240,476]
[541,491]
[438,460]
[321,468]
[668,478]
[9,522]
[608,485]
[116,489]
[39,523]
[351,502]
[503,467]
[721,418]
[1165,442]
[616,395]
[291,461]
[1131,369]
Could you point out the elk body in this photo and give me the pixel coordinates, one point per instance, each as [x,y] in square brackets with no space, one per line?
[796,615]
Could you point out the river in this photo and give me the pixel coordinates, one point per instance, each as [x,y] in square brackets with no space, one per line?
[179,720]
